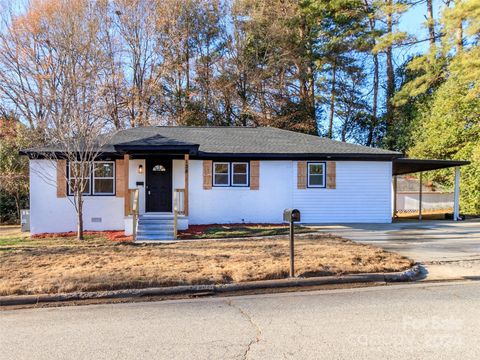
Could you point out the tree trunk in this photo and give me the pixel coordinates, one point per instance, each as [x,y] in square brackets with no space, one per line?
[206,105]
[459,33]
[332,100]
[17,205]
[390,71]
[344,130]
[311,76]
[243,96]
[373,122]
[79,216]
[430,24]
[459,37]
[187,63]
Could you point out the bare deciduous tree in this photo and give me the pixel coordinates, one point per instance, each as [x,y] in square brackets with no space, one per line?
[56,79]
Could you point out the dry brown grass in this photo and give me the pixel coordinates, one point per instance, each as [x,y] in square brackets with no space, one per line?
[104,266]
[12,231]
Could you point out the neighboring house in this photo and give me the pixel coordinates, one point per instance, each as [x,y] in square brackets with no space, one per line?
[219,175]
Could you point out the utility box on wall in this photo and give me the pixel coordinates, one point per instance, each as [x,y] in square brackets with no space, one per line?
[25,219]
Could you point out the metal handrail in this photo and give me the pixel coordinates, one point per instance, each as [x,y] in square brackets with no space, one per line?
[179,200]
[134,210]
[175,214]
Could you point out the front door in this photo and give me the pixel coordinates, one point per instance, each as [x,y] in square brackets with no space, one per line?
[158,194]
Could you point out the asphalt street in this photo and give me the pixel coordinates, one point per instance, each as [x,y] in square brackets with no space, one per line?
[414,321]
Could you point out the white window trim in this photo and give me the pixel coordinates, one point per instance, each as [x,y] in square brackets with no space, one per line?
[247,174]
[103,177]
[89,183]
[323,173]
[228,174]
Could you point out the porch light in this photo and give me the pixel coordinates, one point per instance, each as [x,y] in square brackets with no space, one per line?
[140,169]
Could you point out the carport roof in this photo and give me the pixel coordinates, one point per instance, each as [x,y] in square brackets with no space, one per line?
[403,166]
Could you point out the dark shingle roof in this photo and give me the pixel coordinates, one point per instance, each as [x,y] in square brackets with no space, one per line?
[232,141]
[242,140]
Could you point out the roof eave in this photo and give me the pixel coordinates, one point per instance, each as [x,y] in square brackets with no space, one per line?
[42,154]
[302,156]
[402,166]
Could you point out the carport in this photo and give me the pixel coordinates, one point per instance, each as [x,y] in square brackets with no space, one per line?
[403,166]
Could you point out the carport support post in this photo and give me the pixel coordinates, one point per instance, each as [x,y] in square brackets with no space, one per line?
[420,195]
[292,252]
[456,195]
[185,194]
[395,196]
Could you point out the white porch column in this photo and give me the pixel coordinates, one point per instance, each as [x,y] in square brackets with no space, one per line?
[456,195]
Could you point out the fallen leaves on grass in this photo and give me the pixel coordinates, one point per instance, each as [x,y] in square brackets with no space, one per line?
[56,269]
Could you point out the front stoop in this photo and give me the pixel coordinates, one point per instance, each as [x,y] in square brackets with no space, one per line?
[155,227]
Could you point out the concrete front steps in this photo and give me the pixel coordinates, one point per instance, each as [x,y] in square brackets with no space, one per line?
[156,226]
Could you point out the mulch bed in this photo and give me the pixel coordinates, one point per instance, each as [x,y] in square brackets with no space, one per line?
[119,236]
[112,235]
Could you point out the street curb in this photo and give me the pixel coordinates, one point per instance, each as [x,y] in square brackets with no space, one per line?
[407,275]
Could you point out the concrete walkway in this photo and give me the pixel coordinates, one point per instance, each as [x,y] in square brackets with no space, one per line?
[447,249]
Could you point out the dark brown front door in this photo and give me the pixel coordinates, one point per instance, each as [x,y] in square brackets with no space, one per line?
[158,192]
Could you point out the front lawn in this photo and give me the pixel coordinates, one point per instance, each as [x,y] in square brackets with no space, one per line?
[55,265]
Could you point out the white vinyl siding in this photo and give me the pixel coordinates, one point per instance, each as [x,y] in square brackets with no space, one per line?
[362,194]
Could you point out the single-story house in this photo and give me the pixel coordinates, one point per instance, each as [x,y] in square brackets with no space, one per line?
[218,175]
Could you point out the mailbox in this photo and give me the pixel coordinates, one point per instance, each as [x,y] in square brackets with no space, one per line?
[291,215]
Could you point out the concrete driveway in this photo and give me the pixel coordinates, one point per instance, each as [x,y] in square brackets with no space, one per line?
[447,249]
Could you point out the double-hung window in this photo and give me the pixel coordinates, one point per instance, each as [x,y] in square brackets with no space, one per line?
[230,174]
[104,178]
[239,174]
[79,175]
[96,180]
[221,174]
[316,175]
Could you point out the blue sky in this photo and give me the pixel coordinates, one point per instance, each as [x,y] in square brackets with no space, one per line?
[412,22]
